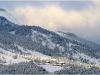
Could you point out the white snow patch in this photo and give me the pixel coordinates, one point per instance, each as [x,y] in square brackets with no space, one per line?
[6,52]
[61,48]
[60,33]
[43,43]
[70,44]
[51,68]
[8,57]
[19,60]
[22,49]
[11,60]
[13,32]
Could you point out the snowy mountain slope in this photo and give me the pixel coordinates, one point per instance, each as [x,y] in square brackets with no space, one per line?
[6,25]
[52,44]
[44,41]
[7,57]
[27,51]
[81,56]
[9,16]
[74,37]
[79,46]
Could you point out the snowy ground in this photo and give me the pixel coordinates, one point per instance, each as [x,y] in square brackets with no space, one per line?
[8,57]
[51,68]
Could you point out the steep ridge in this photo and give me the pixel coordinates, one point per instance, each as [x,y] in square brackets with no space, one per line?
[9,16]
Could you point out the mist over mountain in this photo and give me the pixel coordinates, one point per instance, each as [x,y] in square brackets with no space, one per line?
[34,49]
[8,16]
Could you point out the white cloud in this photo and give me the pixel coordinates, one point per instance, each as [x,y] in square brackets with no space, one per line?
[49,16]
[53,17]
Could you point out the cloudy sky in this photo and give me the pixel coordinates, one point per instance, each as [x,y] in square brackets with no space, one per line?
[79,17]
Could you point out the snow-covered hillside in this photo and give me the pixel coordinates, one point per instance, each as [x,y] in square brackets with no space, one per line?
[47,42]
[74,37]
[7,57]
[80,56]
[8,16]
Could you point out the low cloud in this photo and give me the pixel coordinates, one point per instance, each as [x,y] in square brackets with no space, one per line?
[50,17]
[53,17]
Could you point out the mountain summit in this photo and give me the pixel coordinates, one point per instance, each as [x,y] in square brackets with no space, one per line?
[8,16]
[2,9]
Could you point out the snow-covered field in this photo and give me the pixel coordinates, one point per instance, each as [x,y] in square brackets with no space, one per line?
[8,57]
[51,68]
